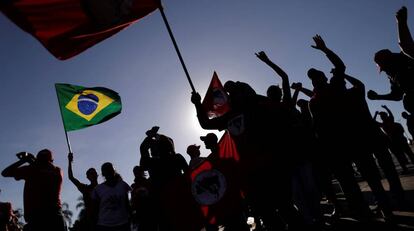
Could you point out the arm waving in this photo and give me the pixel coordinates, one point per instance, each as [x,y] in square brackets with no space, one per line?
[404,36]
[339,66]
[75,181]
[285,79]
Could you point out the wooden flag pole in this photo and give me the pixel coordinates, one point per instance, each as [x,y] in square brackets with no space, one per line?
[63,122]
[176,47]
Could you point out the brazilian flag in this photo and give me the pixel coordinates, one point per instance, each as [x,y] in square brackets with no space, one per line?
[82,107]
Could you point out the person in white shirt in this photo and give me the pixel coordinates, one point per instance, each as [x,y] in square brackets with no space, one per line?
[111,201]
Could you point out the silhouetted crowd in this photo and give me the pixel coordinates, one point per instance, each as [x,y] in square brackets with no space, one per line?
[290,151]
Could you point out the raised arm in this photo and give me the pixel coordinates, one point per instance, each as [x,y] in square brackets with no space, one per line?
[375,116]
[10,170]
[396,94]
[285,79]
[375,119]
[13,169]
[339,66]
[145,154]
[218,123]
[356,83]
[390,115]
[404,36]
[298,86]
[75,181]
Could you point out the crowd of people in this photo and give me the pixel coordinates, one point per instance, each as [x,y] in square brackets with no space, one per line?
[290,150]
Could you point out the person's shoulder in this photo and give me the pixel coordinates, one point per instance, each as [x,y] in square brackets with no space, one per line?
[6,205]
[179,156]
[100,187]
[125,184]
[57,170]
[27,169]
[85,188]
[356,90]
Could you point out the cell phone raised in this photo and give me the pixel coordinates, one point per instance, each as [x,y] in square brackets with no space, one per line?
[22,155]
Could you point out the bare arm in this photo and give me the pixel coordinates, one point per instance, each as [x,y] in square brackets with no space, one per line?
[390,115]
[404,36]
[14,169]
[295,96]
[75,181]
[375,116]
[375,119]
[356,83]
[218,123]
[285,79]
[339,66]
[396,94]
[305,91]
[144,150]
[10,170]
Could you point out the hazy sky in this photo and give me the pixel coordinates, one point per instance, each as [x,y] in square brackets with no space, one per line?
[141,65]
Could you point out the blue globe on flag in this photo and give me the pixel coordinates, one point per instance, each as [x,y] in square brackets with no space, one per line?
[87,104]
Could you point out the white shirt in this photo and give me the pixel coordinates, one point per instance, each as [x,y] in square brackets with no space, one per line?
[113,203]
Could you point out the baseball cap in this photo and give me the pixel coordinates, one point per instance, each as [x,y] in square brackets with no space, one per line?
[152,131]
[192,148]
[210,137]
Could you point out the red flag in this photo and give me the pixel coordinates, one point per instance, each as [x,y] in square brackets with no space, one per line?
[180,208]
[215,101]
[228,149]
[215,182]
[216,185]
[68,27]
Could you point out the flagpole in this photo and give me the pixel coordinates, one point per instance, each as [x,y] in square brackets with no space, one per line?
[67,141]
[63,122]
[176,47]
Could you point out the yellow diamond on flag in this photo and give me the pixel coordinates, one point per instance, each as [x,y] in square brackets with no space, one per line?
[88,103]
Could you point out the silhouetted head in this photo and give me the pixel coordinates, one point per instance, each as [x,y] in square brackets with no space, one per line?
[384,59]
[274,92]
[210,140]
[337,83]
[166,145]
[91,174]
[229,86]
[139,171]
[317,77]
[153,131]
[193,150]
[162,146]
[240,94]
[44,156]
[108,170]
[246,89]
[408,102]
[384,116]
[302,103]
[404,115]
